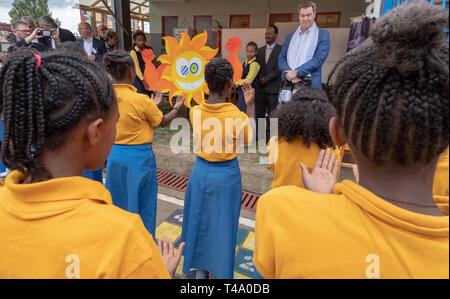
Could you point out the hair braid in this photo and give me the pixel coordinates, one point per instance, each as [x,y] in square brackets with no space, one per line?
[41,106]
[391,93]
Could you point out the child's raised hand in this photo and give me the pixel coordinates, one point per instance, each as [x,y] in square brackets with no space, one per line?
[249,93]
[179,102]
[171,260]
[324,175]
[157,98]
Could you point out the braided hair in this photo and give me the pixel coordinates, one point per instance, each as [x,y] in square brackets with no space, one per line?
[217,73]
[391,93]
[42,105]
[308,116]
[117,63]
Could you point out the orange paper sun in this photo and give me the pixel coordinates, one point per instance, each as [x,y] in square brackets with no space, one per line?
[184,72]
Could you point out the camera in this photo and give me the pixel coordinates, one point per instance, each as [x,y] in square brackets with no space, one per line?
[45,33]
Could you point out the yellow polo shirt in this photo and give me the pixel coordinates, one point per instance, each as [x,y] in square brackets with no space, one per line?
[441,184]
[349,234]
[69,228]
[218,130]
[138,116]
[285,158]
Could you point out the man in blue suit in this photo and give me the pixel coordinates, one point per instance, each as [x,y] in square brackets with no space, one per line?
[94,48]
[305,50]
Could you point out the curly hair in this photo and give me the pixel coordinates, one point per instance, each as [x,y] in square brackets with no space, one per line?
[41,105]
[308,119]
[117,63]
[217,73]
[310,94]
[391,93]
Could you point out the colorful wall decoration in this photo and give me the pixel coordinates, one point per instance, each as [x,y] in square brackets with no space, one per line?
[182,68]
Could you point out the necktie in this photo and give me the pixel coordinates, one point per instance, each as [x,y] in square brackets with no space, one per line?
[268,51]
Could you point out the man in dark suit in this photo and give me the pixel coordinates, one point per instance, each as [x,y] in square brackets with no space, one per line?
[58,35]
[269,77]
[94,48]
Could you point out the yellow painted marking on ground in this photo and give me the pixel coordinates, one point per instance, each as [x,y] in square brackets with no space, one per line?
[238,275]
[249,242]
[171,231]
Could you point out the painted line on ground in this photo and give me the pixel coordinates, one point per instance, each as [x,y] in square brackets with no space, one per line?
[163,197]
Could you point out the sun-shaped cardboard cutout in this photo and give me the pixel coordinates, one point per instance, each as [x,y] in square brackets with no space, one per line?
[184,73]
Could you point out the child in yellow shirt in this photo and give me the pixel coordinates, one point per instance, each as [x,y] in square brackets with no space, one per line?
[302,133]
[131,170]
[391,96]
[249,73]
[60,115]
[213,196]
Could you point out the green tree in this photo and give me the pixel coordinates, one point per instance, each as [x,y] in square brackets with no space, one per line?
[33,8]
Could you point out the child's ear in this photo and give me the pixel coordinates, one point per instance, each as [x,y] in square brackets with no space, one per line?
[337,132]
[93,131]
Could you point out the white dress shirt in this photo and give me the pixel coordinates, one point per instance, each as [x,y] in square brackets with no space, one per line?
[88,45]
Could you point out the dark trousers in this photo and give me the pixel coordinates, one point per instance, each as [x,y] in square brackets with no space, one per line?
[265,103]
[241,100]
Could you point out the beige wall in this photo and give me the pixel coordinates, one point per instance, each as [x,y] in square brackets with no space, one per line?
[258,10]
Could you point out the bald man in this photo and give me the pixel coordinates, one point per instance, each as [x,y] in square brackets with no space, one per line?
[94,48]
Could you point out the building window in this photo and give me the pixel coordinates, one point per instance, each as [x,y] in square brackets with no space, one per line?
[328,19]
[240,21]
[169,23]
[280,18]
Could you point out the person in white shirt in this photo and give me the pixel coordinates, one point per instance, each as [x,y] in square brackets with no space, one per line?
[305,50]
[94,48]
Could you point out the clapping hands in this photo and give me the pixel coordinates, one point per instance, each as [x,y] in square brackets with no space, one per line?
[157,98]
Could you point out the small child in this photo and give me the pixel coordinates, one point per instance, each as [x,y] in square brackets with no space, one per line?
[131,168]
[302,134]
[139,45]
[60,113]
[213,195]
[249,73]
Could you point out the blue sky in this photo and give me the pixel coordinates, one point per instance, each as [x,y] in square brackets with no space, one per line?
[61,9]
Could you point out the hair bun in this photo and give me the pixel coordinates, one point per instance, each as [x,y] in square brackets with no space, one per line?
[418,24]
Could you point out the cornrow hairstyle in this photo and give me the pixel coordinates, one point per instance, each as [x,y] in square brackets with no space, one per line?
[217,73]
[41,106]
[117,63]
[391,93]
[310,93]
[306,118]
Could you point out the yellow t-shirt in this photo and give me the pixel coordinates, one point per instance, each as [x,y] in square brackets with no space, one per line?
[69,228]
[285,158]
[218,131]
[138,116]
[349,234]
[441,183]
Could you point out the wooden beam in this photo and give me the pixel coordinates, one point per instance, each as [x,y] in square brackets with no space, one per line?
[126,30]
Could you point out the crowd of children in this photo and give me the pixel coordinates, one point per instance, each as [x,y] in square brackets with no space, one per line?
[387,100]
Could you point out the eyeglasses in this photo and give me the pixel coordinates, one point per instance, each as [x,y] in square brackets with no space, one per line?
[24,31]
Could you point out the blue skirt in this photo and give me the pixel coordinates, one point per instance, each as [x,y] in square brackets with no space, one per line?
[132,181]
[96,175]
[211,216]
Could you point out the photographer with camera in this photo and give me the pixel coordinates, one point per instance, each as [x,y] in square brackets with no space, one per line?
[52,34]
